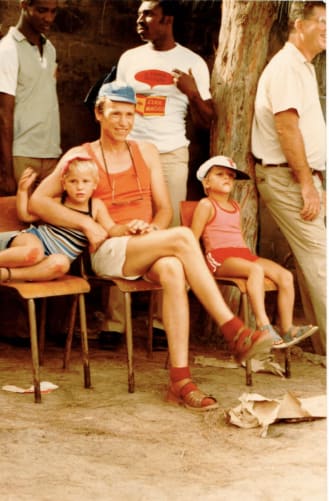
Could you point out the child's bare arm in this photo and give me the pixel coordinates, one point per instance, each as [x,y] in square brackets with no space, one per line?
[202,214]
[22,196]
[102,216]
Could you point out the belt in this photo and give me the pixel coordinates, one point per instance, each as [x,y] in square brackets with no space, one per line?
[314,172]
[264,164]
[284,164]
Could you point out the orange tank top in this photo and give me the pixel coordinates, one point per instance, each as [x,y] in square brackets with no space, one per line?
[126,194]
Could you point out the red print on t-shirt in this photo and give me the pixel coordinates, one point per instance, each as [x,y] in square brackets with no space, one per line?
[154,77]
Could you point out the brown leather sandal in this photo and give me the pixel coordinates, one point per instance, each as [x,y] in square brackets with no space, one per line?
[191,397]
[8,279]
[247,343]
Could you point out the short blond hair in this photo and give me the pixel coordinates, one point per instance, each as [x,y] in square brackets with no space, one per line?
[81,166]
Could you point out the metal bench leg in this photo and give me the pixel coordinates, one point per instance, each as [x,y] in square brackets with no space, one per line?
[34,350]
[245,316]
[248,373]
[150,327]
[84,340]
[42,329]
[129,342]
[69,337]
[287,356]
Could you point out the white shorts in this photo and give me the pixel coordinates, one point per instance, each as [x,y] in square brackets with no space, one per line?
[110,257]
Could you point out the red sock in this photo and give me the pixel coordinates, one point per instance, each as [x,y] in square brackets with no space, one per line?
[179,373]
[230,328]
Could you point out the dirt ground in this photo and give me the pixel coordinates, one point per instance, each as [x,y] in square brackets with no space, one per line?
[106,444]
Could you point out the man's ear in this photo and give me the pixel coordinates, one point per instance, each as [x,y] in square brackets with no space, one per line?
[98,113]
[168,20]
[298,25]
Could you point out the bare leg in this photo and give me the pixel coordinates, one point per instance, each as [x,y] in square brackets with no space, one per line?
[170,273]
[25,250]
[286,292]
[144,251]
[49,268]
[254,272]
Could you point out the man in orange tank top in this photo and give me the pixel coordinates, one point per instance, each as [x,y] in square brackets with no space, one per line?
[144,245]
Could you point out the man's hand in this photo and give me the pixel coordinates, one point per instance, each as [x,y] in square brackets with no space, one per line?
[139,227]
[202,111]
[312,202]
[185,82]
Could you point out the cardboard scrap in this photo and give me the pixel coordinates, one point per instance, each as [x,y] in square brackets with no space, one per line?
[264,364]
[256,410]
[216,362]
[45,387]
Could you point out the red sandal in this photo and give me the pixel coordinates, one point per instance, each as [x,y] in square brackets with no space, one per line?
[191,397]
[247,343]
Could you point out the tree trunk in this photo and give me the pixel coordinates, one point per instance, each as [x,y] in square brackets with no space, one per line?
[241,57]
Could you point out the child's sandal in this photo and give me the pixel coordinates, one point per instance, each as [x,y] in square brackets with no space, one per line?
[8,279]
[191,397]
[297,333]
[276,338]
[247,343]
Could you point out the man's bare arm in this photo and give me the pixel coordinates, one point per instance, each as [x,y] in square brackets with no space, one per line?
[162,209]
[202,111]
[292,144]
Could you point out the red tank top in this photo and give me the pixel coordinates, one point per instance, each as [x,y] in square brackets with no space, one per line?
[224,229]
[127,194]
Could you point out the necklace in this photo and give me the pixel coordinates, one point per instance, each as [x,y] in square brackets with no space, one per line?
[107,170]
[112,185]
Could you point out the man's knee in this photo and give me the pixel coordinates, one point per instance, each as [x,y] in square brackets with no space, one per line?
[171,272]
[182,237]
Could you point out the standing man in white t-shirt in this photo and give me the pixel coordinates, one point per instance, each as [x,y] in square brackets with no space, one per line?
[29,111]
[168,79]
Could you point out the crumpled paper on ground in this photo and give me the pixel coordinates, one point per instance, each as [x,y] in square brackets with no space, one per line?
[45,387]
[216,362]
[265,363]
[256,410]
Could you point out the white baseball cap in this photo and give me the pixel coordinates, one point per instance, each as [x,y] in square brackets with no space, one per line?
[220,161]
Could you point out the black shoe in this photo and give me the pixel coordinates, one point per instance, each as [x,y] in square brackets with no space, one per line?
[159,340]
[110,340]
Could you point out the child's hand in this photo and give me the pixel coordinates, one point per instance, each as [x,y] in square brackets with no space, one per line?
[27,179]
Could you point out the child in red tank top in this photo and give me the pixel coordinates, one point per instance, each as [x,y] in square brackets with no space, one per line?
[217,221]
